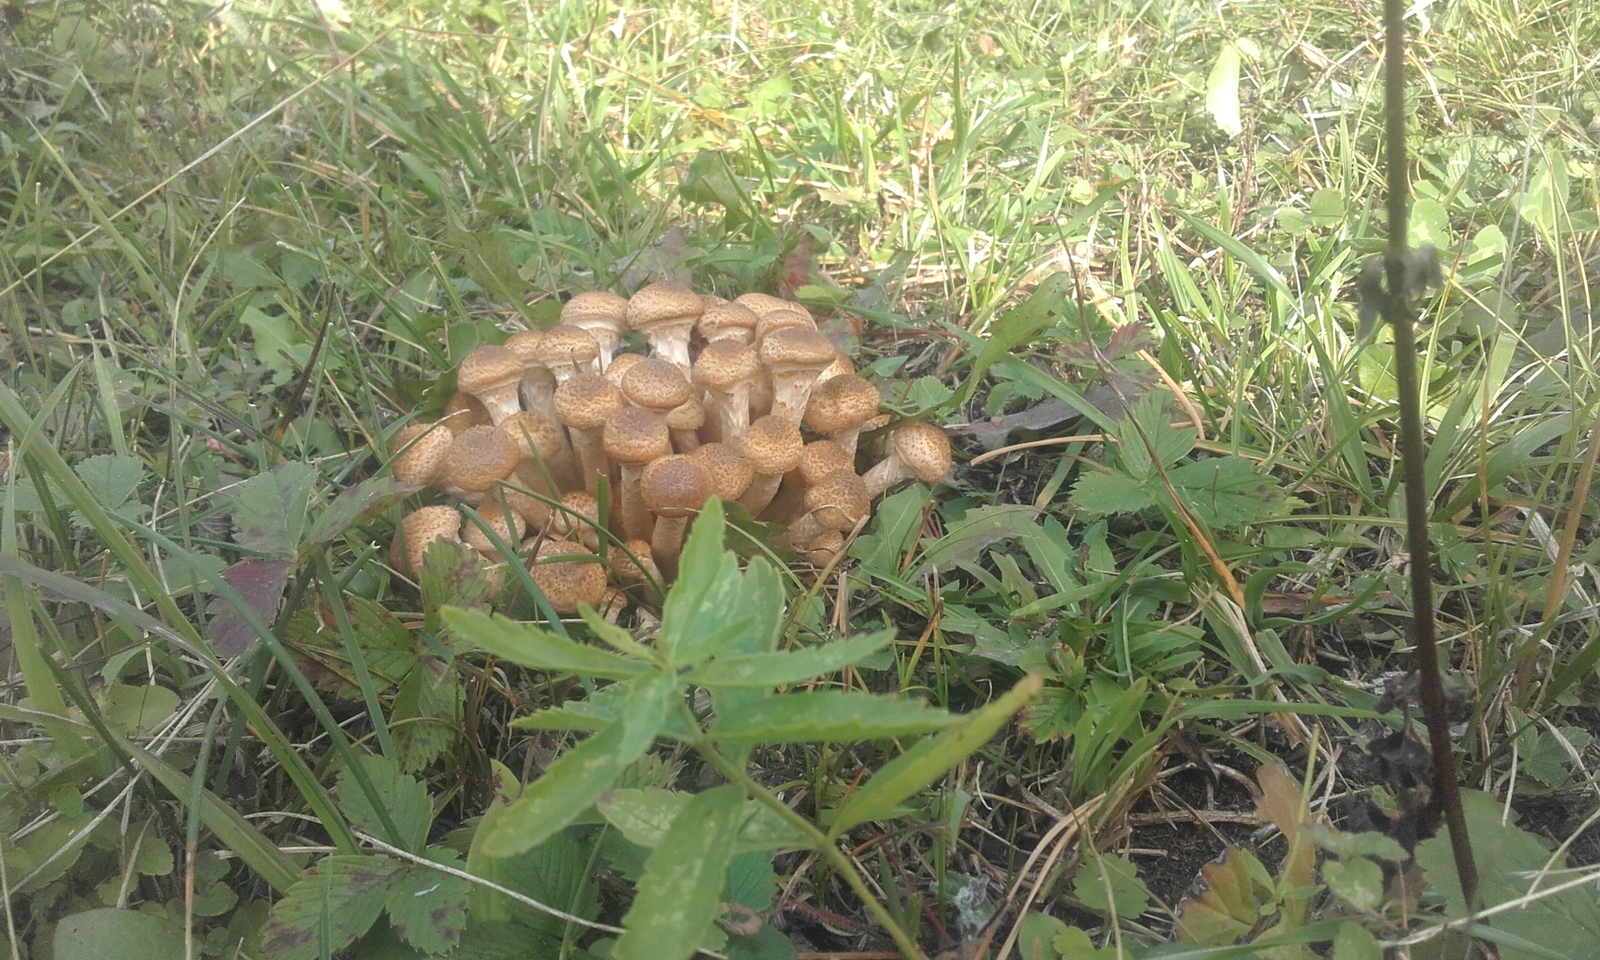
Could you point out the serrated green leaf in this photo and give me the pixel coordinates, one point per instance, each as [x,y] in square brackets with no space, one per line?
[931,757]
[110,479]
[269,510]
[277,344]
[683,879]
[426,717]
[557,872]
[404,798]
[429,907]
[136,710]
[1100,492]
[1171,443]
[1225,492]
[1037,934]
[778,669]
[569,786]
[828,715]
[338,900]
[1368,843]
[534,647]
[360,502]
[113,934]
[751,880]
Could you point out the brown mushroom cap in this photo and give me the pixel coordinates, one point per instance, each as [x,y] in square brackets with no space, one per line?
[727,321]
[675,486]
[773,445]
[630,573]
[492,374]
[760,303]
[585,526]
[917,450]
[636,436]
[685,421]
[838,501]
[821,551]
[538,384]
[420,452]
[794,357]
[727,371]
[463,410]
[473,536]
[587,401]
[478,458]
[839,406]
[729,470]
[666,313]
[656,385]
[822,457]
[419,528]
[620,365]
[603,314]
[568,351]
[782,319]
[567,583]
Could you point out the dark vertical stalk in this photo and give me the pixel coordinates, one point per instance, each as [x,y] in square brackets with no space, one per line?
[1398,310]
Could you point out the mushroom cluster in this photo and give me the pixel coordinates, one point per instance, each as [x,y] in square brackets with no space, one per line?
[740,399]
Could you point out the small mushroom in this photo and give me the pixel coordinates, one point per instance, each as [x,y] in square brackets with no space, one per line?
[674,487]
[621,364]
[568,575]
[773,446]
[793,358]
[727,321]
[726,370]
[685,421]
[419,529]
[837,501]
[782,319]
[584,404]
[568,351]
[825,548]
[604,315]
[632,439]
[760,303]
[492,374]
[581,519]
[839,408]
[473,536]
[479,458]
[420,452]
[917,450]
[655,385]
[665,313]
[731,473]
[538,385]
[463,410]
[544,463]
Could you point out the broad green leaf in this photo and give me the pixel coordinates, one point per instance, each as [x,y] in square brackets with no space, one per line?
[269,510]
[1369,843]
[1222,91]
[1151,417]
[404,798]
[534,647]
[710,594]
[890,532]
[569,786]
[277,343]
[338,900]
[360,502]
[112,934]
[828,715]
[931,757]
[488,263]
[426,718]
[111,480]
[1221,492]
[1074,944]
[1127,893]
[778,669]
[1037,934]
[1355,942]
[1020,325]
[429,907]
[683,880]
[645,814]
[556,872]
[649,699]
[965,540]
[751,880]
[136,711]
[1358,882]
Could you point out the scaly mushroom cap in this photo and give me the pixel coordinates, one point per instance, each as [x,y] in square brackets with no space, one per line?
[783,319]
[620,365]
[568,351]
[478,458]
[822,551]
[676,486]
[822,457]
[603,314]
[917,450]
[582,521]
[727,321]
[794,357]
[473,536]
[587,401]
[665,313]
[631,574]
[536,437]
[841,366]
[773,445]
[838,407]
[685,421]
[418,529]
[538,384]
[760,303]
[730,472]
[838,501]
[568,583]
[655,384]
[420,452]
[463,410]
[492,374]
[727,370]
[635,436]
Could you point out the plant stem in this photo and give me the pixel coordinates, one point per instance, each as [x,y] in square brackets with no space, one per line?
[819,840]
[1401,316]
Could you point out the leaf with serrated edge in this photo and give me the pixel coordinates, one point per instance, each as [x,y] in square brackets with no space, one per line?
[345,893]
[404,798]
[428,908]
[931,757]
[569,786]
[1224,907]
[683,880]
[777,669]
[269,509]
[366,499]
[535,648]
[828,715]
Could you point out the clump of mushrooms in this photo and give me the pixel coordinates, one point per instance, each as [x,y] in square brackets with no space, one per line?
[590,460]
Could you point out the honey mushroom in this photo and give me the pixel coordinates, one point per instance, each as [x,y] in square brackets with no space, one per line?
[773,446]
[793,358]
[673,487]
[917,451]
[603,315]
[571,580]
[538,386]
[492,375]
[420,449]
[584,404]
[479,458]
[567,351]
[839,407]
[633,438]
[727,370]
[666,313]
[418,530]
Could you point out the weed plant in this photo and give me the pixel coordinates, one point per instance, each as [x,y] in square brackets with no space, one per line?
[1113,247]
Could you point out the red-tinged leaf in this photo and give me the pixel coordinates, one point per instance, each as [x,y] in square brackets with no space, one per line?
[796,266]
[358,503]
[339,899]
[260,585]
